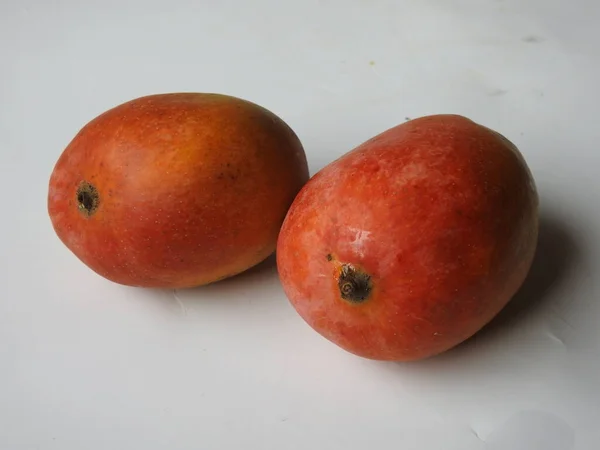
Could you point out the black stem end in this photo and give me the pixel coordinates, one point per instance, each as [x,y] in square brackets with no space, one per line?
[87,198]
[355,285]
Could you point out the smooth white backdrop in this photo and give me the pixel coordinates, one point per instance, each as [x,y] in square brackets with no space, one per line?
[87,364]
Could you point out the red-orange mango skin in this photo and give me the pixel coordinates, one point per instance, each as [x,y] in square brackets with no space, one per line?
[193,188]
[441,212]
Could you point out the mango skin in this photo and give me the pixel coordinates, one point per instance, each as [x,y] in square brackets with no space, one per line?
[176,190]
[427,229]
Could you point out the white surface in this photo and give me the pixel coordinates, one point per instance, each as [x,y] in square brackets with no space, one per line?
[86,364]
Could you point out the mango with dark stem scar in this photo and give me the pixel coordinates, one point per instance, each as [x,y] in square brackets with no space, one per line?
[176,190]
[428,230]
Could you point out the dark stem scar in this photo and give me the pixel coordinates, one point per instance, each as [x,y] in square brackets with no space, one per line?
[87,199]
[354,284]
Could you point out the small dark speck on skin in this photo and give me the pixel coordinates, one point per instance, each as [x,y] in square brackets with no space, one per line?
[329,257]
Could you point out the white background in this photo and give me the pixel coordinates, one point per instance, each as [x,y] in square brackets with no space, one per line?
[87,364]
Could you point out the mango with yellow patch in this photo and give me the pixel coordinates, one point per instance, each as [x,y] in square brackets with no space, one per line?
[176,190]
